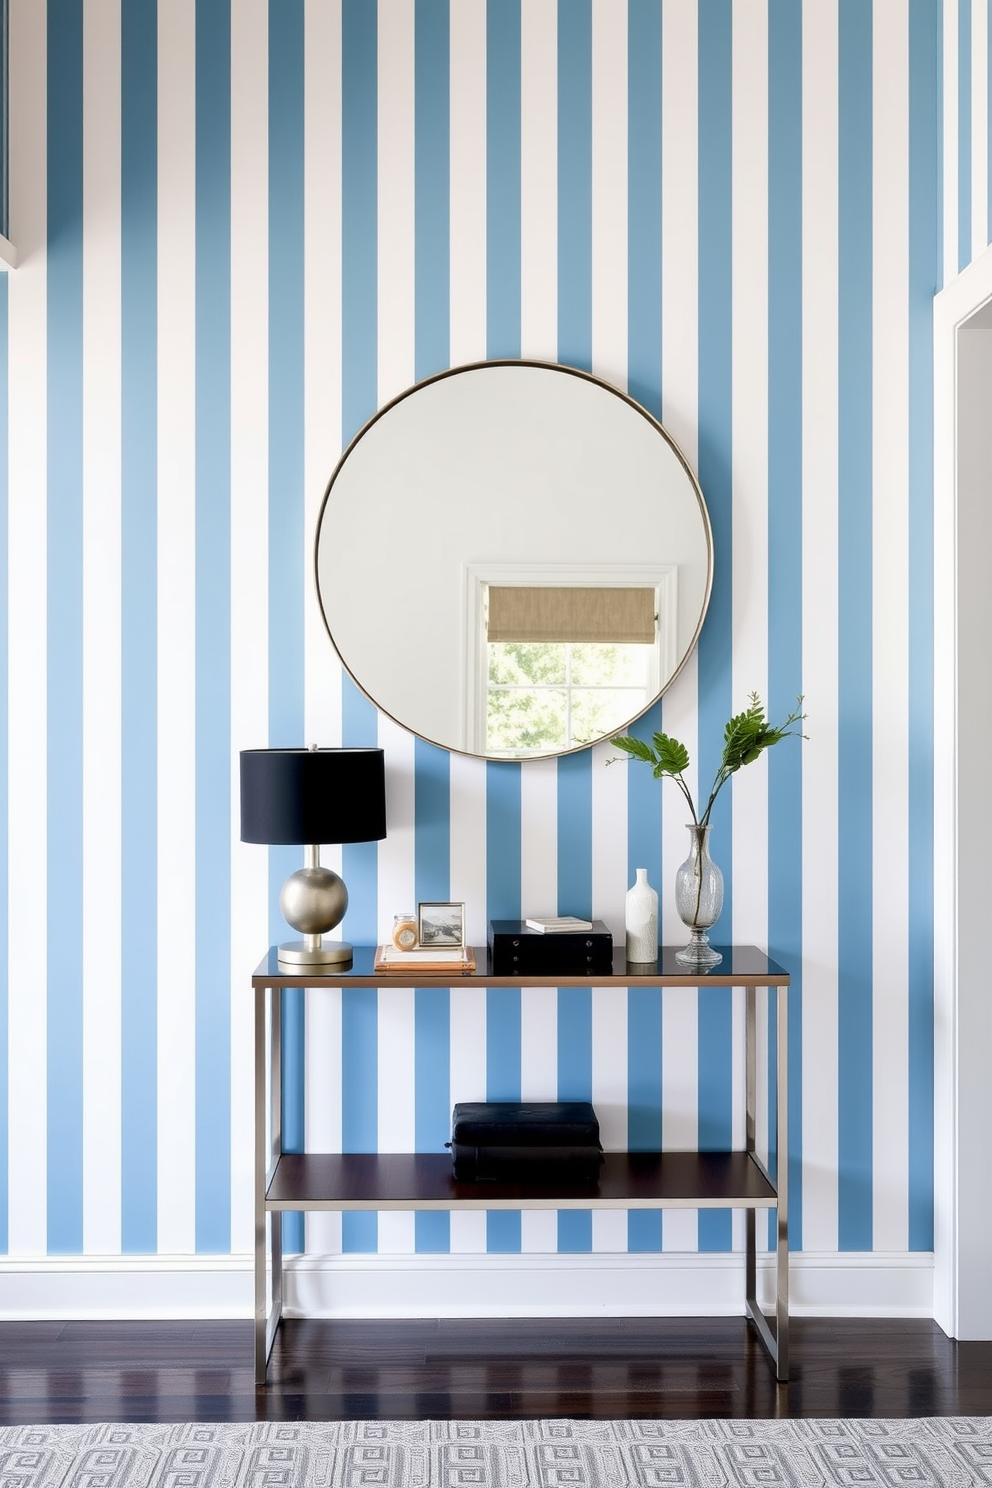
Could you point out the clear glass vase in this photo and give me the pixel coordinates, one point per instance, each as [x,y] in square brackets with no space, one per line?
[698,898]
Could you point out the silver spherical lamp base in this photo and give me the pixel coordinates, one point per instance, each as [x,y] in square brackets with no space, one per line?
[314,900]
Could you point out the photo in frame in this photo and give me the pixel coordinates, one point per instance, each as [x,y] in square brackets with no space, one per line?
[441,924]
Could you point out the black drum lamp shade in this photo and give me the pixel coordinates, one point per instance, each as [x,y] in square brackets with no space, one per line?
[313,795]
[310,796]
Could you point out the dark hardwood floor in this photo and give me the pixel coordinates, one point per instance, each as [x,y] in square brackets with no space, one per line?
[605,1368]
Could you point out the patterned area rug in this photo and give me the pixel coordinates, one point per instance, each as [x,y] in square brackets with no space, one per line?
[934,1452]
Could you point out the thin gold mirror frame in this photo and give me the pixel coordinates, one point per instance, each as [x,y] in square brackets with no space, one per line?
[463,450]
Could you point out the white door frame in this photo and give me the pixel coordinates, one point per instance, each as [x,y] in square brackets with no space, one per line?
[962,535]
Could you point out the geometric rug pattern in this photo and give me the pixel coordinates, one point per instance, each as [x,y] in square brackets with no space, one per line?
[934,1452]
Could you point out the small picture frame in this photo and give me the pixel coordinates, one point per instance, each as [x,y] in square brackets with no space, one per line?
[441,924]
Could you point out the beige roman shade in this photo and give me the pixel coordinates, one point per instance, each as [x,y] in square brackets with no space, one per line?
[557,613]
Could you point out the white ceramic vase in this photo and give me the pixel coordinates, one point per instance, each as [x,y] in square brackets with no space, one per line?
[641,919]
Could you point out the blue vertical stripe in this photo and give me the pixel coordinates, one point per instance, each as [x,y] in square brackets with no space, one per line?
[575,834]
[359,1098]
[139,647]
[432,1055]
[503,1083]
[359,214]
[65,608]
[359,332]
[964,133]
[644,266]
[431,202]
[503,841]
[503,1003]
[854,751]
[213,624]
[715,643]
[359,1006]
[286,537]
[432,821]
[644,1099]
[360,860]
[575,183]
[785,598]
[574,1025]
[503,178]
[924,280]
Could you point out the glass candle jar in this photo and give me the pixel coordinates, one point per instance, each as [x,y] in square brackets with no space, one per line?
[405,934]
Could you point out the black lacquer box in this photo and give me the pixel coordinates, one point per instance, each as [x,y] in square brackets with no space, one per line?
[517,950]
[525,1141]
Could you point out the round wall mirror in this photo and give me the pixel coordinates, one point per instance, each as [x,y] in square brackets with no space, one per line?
[513,559]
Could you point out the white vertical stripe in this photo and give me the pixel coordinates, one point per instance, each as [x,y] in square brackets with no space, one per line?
[101,627]
[820,667]
[609,1065]
[395,874]
[750,458]
[322,336]
[322,1098]
[395,176]
[467,786]
[176,624]
[949,136]
[249,558]
[539,840]
[466,1079]
[890,639]
[322,1101]
[396,1094]
[609,191]
[979,126]
[468,1232]
[609,1231]
[467,1074]
[28,630]
[397,1232]
[539,179]
[680,1097]
[467,180]
[539,1044]
[538,1231]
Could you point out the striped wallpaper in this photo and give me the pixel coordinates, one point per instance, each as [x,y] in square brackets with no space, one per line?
[241,227]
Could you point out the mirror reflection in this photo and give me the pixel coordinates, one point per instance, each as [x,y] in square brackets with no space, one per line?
[513,559]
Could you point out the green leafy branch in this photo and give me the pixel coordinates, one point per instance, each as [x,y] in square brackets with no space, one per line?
[745,737]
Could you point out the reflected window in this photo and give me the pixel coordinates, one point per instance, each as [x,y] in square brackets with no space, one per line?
[566,656]
[543,696]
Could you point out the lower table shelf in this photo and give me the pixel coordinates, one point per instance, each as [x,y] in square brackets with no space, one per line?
[423,1180]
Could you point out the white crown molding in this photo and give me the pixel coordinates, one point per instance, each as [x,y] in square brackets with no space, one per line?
[852,1284]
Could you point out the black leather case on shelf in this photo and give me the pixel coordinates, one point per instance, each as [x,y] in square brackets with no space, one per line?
[525,1164]
[517,950]
[525,1141]
[525,1124]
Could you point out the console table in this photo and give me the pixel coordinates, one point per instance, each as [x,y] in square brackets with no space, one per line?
[423,1180]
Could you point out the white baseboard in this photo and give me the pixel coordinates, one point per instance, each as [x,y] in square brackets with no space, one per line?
[861,1284]
[68,1288]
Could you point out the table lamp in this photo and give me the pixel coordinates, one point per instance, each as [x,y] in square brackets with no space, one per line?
[310,796]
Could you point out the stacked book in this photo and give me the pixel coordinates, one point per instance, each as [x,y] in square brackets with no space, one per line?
[523,1142]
